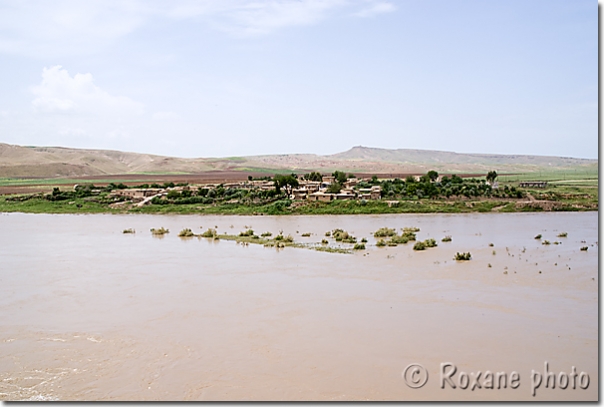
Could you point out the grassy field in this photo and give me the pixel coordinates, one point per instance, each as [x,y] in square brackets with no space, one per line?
[581,176]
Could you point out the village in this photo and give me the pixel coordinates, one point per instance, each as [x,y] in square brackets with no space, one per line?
[306,190]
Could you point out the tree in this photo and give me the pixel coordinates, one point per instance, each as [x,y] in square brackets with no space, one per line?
[287,182]
[249,178]
[340,176]
[410,179]
[433,175]
[314,176]
[334,188]
[491,176]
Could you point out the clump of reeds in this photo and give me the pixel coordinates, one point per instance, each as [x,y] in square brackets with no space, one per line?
[462,256]
[129,231]
[584,248]
[247,233]
[411,230]
[546,242]
[284,239]
[446,239]
[359,246]
[384,232]
[380,243]
[211,233]
[306,234]
[328,233]
[186,233]
[324,241]
[430,243]
[159,232]
[419,246]
[563,234]
[266,234]
[363,240]
[343,236]
[538,237]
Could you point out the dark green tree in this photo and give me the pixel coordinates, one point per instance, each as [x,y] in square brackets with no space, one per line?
[287,182]
[491,176]
[433,175]
[340,176]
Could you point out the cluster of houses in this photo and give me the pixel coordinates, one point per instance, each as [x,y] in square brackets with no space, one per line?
[307,190]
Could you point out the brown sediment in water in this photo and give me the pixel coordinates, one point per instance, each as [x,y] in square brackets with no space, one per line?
[88,313]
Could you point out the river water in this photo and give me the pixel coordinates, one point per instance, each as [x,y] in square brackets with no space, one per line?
[90,313]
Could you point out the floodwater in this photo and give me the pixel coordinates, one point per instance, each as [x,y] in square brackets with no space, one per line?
[89,313]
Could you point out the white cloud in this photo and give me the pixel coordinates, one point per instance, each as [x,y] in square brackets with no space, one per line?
[39,28]
[60,93]
[376,9]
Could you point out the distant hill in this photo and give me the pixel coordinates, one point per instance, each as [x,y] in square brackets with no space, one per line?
[48,162]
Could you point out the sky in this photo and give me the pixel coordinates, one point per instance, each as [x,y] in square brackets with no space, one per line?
[218,78]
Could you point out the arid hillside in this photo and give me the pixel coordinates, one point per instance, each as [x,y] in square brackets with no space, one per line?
[48,162]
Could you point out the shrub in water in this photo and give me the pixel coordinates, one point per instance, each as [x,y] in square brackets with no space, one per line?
[266,234]
[359,246]
[384,232]
[209,233]
[129,231]
[380,243]
[538,237]
[446,239]
[419,246]
[462,256]
[160,231]
[430,243]
[186,233]
[563,234]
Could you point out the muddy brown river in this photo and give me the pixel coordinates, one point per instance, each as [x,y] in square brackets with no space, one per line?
[90,313]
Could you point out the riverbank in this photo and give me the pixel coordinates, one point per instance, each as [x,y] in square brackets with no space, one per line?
[576,202]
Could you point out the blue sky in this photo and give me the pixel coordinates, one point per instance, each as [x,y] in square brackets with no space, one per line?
[237,77]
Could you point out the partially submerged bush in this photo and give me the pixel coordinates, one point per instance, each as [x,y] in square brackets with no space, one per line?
[563,234]
[266,234]
[384,232]
[186,233]
[363,240]
[584,248]
[160,231]
[129,231]
[284,239]
[545,242]
[380,243]
[247,233]
[328,233]
[324,241]
[391,243]
[305,234]
[538,237]
[400,239]
[430,243]
[411,230]
[419,246]
[462,256]
[211,233]
[446,239]
[343,236]
[359,246]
